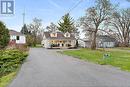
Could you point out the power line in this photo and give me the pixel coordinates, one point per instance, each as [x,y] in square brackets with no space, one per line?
[23,14]
[76,5]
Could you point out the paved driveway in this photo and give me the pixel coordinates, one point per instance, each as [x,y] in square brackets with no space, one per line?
[46,68]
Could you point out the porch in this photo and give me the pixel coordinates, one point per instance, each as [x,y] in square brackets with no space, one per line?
[60,43]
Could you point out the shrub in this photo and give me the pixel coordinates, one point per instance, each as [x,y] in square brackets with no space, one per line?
[4,35]
[10,60]
[30,39]
[22,47]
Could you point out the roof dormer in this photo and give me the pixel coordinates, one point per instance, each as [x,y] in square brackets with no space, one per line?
[67,34]
[53,34]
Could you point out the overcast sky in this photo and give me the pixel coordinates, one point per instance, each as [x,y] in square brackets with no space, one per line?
[48,11]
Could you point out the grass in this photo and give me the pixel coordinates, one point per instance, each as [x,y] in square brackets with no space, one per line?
[5,80]
[119,49]
[116,57]
[37,46]
[124,48]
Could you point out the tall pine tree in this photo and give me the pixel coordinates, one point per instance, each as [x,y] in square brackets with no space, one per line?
[24,30]
[67,24]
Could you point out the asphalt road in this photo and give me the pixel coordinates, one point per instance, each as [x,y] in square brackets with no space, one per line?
[46,68]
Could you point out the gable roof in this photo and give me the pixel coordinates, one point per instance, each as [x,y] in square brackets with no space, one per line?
[106,38]
[60,36]
[13,32]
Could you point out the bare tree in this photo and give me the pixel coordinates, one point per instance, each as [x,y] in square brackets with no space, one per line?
[52,27]
[36,29]
[120,23]
[35,26]
[76,31]
[95,18]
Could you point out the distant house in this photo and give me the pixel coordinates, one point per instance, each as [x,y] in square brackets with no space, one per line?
[58,40]
[84,43]
[17,37]
[101,41]
[106,41]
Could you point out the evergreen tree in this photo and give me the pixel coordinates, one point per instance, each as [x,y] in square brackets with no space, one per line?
[67,24]
[4,35]
[24,30]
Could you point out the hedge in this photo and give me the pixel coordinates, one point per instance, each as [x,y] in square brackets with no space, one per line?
[10,60]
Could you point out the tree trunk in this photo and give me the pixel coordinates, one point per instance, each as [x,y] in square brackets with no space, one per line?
[125,42]
[128,40]
[93,44]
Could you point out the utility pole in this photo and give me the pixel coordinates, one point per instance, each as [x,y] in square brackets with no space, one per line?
[23,18]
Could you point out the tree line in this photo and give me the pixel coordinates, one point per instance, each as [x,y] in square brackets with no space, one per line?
[102,16]
[98,19]
[34,31]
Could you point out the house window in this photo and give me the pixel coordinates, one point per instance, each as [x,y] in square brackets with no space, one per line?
[17,38]
[67,34]
[53,34]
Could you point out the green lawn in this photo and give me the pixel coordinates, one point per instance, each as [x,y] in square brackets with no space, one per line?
[37,46]
[119,49]
[124,48]
[116,57]
[5,80]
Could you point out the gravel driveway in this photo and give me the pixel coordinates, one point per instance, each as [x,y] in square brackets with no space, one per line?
[47,68]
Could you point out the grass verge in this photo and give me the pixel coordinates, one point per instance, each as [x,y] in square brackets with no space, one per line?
[5,80]
[118,58]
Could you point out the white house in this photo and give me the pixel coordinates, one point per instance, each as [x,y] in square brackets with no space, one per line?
[84,43]
[101,41]
[106,41]
[58,40]
[17,37]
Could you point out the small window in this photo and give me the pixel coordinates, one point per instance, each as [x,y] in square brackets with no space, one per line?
[54,34]
[17,37]
[67,35]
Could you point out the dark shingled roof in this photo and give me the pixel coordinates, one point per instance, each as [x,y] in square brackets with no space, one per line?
[60,36]
[13,32]
[106,38]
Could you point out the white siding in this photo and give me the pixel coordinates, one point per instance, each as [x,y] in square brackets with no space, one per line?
[12,37]
[46,44]
[22,39]
[83,43]
[109,44]
[73,43]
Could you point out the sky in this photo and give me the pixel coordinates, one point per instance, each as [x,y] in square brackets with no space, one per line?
[49,11]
